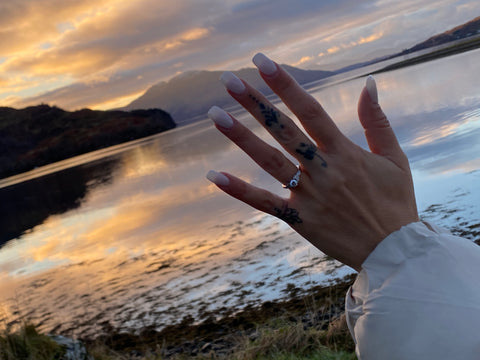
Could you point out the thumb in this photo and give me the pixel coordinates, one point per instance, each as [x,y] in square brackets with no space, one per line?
[380,136]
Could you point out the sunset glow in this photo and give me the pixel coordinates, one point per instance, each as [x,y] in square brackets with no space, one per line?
[105,53]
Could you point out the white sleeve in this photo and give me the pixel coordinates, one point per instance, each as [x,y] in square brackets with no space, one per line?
[417,297]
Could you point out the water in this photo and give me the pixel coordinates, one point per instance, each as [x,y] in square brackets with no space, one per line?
[134,235]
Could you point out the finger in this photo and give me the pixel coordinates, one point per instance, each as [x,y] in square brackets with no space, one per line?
[269,158]
[380,136]
[280,126]
[308,110]
[260,199]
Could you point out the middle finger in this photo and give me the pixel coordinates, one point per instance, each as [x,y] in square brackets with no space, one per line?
[279,125]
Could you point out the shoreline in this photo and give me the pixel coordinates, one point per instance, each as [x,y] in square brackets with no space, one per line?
[304,324]
[452,49]
[317,308]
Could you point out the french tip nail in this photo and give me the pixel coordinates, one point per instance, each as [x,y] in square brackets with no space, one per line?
[371,86]
[232,82]
[264,64]
[218,178]
[220,117]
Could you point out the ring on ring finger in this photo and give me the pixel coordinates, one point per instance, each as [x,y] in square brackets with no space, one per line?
[293,183]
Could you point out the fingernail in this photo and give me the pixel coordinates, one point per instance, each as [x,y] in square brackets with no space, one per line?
[218,178]
[220,117]
[264,64]
[372,89]
[232,82]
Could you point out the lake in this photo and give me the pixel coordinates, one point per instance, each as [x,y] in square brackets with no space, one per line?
[134,235]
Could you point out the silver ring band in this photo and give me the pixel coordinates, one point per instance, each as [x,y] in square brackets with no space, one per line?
[295,180]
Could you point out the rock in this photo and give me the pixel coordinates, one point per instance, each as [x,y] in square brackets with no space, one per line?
[74,349]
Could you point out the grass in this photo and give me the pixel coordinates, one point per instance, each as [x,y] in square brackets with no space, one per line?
[278,340]
[28,344]
[294,341]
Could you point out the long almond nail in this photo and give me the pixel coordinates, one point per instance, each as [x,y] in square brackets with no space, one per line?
[220,117]
[232,83]
[372,89]
[218,178]
[264,64]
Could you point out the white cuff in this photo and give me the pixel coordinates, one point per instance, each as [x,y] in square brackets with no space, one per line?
[417,297]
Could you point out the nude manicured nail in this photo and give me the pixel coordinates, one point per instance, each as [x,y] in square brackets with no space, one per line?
[264,64]
[232,83]
[220,117]
[372,88]
[218,178]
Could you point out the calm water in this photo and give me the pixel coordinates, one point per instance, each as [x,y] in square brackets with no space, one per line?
[134,235]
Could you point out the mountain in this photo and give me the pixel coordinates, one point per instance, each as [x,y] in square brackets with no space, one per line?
[39,135]
[193,93]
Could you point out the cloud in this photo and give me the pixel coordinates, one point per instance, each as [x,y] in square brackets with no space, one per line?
[333,49]
[370,38]
[93,52]
[303,60]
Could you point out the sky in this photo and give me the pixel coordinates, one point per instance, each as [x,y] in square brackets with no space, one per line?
[103,54]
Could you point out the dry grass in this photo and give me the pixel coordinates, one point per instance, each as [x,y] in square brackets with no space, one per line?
[28,344]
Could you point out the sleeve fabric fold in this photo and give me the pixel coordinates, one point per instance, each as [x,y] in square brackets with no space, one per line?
[417,297]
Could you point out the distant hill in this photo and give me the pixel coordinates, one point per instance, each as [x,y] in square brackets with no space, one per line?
[463,31]
[193,93]
[39,135]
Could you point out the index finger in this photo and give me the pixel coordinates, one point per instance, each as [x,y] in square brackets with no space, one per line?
[308,110]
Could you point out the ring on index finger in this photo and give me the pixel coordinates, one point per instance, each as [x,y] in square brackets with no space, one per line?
[293,183]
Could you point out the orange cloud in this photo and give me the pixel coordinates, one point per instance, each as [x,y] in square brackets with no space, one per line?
[347,45]
[194,34]
[370,38]
[183,39]
[333,49]
[4,82]
[303,60]
[28,24]
[117,102]
[74,62]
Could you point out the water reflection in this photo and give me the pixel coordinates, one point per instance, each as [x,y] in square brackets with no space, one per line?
[158,242]
[26,205]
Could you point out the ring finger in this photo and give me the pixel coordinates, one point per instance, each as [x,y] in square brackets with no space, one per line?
[269,158]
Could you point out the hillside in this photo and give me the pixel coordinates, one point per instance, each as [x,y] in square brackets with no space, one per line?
[463,31]
[459,39]
[193,93]
[39,135]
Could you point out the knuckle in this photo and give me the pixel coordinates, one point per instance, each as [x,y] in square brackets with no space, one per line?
[268,205]
[380,119]
[311,109]
[286,85]
[288,134]
[239,191]
[240,135]
[275,162]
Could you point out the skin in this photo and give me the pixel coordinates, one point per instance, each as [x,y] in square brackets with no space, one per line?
[348,199]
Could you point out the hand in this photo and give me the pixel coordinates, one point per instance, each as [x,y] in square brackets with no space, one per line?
[347,199]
